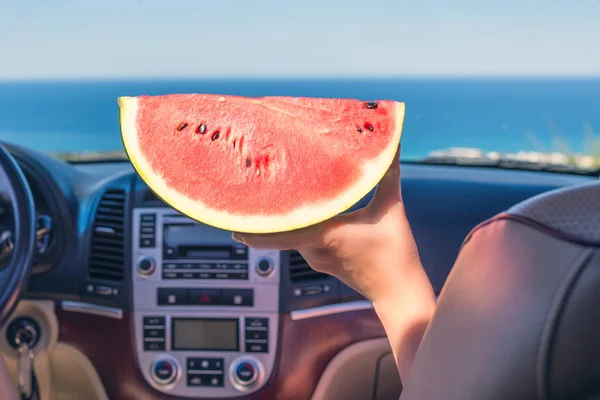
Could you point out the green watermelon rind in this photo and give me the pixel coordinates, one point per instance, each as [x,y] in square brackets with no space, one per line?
[302,217]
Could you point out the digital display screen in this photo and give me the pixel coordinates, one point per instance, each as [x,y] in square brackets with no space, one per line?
[197,242]
[191,234]
[204,334]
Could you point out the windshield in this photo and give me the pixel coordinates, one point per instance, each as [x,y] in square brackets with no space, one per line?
[510,79]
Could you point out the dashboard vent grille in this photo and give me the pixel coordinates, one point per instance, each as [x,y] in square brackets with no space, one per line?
[107,257]
[300,271]
[151,196]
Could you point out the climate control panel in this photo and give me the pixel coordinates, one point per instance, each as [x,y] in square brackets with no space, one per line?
[205,307]
[197,355]
[244,373]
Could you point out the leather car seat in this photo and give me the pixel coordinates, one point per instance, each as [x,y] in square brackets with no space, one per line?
[519,315]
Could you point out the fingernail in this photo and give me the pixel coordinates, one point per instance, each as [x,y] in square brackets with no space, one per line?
[237,238]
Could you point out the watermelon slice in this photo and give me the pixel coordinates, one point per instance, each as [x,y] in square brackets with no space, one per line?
[260,165]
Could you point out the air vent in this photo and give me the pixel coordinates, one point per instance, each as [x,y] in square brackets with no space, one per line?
[107,251]
[300,271]
[150,196]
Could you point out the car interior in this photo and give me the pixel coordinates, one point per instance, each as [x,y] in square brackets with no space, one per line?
[108,293]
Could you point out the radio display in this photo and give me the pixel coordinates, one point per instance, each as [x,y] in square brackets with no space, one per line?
[205,334]
[191,233]
[184,241]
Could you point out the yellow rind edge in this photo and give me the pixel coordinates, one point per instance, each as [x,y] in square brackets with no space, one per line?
[296,219]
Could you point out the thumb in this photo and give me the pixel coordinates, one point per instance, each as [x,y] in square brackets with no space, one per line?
[388,189]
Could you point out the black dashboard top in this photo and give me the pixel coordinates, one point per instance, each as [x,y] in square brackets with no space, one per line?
[443,204]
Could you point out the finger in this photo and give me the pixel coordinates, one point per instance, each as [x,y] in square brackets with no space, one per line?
[300,238]
[388,189]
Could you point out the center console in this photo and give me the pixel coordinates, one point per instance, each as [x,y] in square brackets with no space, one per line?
[205,307]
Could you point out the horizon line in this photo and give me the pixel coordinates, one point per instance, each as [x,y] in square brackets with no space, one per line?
[300,77]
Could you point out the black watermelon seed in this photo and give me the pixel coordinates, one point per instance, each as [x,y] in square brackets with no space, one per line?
[215,135]
[182,126]
[359,129]
[370,105]
[202,129]
[248,162]
[368,126]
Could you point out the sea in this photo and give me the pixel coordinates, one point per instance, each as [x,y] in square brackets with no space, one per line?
[504,115]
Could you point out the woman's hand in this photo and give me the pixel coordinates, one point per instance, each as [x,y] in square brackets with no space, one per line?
[370,249]
[373,251]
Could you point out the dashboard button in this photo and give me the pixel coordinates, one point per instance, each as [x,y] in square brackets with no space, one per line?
[164,371]
[154,321]
[204,297]
[237,297]
[257,322]
[205,364]
[147,242]
[257,347]
[154,345]
[240,275]
[188,275]
[215,380]
[170,275]
[148,217]
[154,333]
[147,229]
[240,253]
[171,297]
[195,380]
[257,335]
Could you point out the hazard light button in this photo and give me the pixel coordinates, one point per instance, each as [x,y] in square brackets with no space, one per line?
[171,296]
[204,297]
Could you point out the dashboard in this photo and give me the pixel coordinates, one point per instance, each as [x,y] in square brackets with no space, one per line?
[200,315]
[205,308]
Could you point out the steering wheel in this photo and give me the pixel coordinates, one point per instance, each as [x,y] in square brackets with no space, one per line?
[19,242]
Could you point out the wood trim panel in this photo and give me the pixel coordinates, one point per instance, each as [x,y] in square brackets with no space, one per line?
[304,349]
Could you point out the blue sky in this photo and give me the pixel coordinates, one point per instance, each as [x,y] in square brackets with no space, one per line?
[199,38]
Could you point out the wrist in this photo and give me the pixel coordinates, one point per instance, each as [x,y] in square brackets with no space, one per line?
[405,314]
[404,308]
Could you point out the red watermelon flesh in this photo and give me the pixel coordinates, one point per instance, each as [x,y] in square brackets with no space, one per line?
[260,164]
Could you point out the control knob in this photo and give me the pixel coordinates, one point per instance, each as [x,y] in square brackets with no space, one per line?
[264,267]
[245,373]
[164,370]
[146,265]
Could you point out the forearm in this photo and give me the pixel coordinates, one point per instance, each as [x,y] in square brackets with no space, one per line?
[405,315]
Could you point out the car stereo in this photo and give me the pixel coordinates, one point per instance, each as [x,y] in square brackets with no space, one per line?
[205,307]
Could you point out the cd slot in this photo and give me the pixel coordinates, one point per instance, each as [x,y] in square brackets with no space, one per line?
[194,252]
